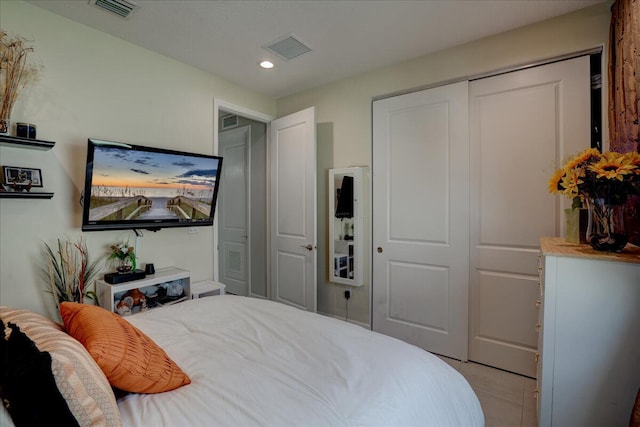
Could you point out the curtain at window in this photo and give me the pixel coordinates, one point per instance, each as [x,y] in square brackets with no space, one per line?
[624,76]
[624,93]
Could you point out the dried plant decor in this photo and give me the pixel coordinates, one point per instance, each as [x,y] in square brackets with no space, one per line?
[70,273]
[15,73]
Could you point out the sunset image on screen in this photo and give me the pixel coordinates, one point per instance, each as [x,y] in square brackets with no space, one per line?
[145,185]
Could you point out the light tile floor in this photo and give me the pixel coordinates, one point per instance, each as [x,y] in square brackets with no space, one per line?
[507,399]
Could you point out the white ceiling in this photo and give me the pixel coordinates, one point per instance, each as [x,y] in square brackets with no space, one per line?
[347,37]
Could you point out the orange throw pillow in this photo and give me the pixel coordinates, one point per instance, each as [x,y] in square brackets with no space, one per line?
[130,360]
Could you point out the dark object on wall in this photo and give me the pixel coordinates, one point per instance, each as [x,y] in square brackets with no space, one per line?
[22,130]
[344,209]
[26,130]
[129,187]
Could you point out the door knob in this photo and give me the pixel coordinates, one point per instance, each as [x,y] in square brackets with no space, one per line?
[308,247]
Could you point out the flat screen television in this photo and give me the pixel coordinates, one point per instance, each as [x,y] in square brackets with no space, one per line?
[135,187]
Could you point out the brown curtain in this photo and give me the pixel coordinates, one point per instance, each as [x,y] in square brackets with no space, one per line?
[624,76]
[635,415]
[624,93]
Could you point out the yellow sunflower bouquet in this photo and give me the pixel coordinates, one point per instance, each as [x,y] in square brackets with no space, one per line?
[602,182]
[592,174]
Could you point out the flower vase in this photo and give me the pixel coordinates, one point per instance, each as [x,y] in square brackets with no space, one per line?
[577,221]
[606,230]
[124,266]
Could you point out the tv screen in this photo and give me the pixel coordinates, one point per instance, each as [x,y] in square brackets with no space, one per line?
[135,187]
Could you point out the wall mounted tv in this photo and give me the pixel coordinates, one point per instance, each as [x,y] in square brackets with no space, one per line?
[135,187]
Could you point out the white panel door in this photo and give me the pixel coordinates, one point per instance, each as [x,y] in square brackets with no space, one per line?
[522,126]
[234,264]
[293,210]
[421,218]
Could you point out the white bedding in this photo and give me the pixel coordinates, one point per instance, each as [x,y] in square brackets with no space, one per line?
[256,362]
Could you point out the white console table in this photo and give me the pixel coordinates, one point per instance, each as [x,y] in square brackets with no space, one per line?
[589,342]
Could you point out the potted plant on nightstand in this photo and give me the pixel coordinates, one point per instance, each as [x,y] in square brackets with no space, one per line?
[126,257]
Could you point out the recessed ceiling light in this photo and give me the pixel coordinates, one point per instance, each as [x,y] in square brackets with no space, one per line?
[266,64]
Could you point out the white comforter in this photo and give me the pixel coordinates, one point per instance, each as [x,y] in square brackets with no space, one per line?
[256,362]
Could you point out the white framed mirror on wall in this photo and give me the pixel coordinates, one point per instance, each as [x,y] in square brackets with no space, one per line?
[347,205]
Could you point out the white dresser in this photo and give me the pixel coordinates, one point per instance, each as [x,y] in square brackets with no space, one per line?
[589,335]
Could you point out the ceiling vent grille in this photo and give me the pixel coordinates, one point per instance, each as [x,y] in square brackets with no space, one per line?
[288,47]
[122,8]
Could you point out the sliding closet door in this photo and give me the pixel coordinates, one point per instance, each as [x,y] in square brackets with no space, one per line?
[420,201]
[522,125]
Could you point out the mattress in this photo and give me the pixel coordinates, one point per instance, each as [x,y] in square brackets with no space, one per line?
[255,362]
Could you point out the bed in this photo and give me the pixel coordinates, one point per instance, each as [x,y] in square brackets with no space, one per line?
[254,362]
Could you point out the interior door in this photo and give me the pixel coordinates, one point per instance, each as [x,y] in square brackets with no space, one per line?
[292,149]
[233,146]
[523,125]
[421,218]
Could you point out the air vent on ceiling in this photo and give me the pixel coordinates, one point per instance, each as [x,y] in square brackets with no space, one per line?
[288,47]
[229,122]
[121,8]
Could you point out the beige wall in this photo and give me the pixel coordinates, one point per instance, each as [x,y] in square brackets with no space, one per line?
[344,107]
[96,85]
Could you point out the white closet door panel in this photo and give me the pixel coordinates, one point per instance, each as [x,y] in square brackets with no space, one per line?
[517,137]
[428,164]
[420,218]
[412,284]
[522,125]
[493,290]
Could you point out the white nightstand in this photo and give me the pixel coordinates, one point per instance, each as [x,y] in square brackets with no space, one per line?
[207,289]
[111,294]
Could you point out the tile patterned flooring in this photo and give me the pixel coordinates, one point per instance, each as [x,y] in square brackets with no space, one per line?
[507,399]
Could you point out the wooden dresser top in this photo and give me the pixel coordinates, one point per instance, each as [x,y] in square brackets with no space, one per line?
[560,247]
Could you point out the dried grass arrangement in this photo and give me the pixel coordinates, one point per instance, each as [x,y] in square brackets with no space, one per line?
[70,273]
[15,73]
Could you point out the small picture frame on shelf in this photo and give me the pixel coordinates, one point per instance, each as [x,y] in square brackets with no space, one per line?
[20,179]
